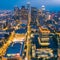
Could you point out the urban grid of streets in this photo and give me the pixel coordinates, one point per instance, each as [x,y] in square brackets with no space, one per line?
[29,33]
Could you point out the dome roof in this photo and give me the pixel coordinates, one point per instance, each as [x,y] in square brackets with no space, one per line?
[43,6]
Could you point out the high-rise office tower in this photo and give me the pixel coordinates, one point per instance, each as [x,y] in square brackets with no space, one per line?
[16,12]
[24,13]
[34,11]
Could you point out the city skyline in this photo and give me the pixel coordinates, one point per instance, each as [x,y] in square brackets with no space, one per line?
[52,5]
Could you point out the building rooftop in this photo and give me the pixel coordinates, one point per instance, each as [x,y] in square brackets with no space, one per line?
[21,31]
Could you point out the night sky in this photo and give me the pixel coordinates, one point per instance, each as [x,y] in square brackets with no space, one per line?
[53,5]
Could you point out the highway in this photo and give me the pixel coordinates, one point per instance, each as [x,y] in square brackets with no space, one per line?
[22,35]
[52,44]
[40,46]
[7,46]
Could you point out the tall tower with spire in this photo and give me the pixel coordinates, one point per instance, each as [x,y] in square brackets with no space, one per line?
[29,6]
[43,8]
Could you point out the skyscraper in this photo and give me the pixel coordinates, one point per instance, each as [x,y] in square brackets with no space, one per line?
[34,11]
[28,5]
[24,13]
[16,12]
